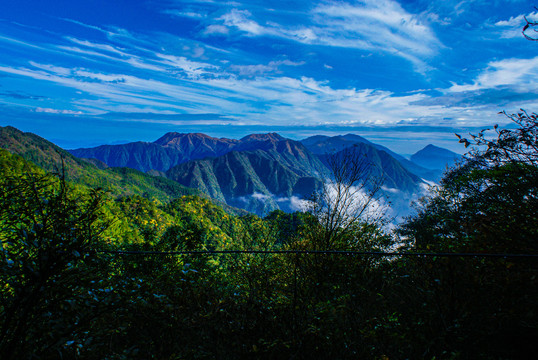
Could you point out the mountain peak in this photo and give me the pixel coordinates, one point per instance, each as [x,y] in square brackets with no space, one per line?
[432,149]
[355,138]
[263,137]
[434,157]
[171,136]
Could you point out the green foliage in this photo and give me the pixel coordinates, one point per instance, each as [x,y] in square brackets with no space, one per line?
[117,181]
[489,203]
[47,229]
[288,226]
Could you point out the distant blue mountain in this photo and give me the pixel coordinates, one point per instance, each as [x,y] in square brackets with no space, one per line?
[435,158]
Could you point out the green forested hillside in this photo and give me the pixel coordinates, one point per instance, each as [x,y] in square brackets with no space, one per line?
[119,181]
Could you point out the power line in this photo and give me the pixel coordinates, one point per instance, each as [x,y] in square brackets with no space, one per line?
[313,252]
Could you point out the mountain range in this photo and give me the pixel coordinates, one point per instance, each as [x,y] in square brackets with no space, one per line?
[263,172]
[258,173]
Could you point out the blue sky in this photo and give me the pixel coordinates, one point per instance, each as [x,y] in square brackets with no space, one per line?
[400,73]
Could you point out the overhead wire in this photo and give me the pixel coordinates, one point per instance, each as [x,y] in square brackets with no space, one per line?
[323,252]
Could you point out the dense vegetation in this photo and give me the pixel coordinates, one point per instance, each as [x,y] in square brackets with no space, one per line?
[65,293]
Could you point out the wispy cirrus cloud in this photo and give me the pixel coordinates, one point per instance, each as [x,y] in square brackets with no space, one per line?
[192,69]
[262,69]
[369,25]
[188,13]
[282,100]
[152,60]
[58,111]
[18,42]
[216,29]
[383,24]
[241,19]
[98,46]
[502,84]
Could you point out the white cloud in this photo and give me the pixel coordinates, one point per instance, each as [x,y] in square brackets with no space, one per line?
[192,69]
[390,190]
[104,47]
[216,29]
[156,72]
[380,22]
[19,42]
[132,60]
[354,201]
[513,21]
[512,27]
[260,196]
[100,77]
[261,69]
[280,101]
[519,74]
[257,196]
[517,20]
[189,14]
[252,70]
[57,111]
[241,20]
[58,70]
[131,90]
[84,25]
[156,62]
[294,203]
[173,82]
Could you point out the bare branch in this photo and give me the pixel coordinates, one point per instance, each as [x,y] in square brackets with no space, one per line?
[529,30]
[346,198]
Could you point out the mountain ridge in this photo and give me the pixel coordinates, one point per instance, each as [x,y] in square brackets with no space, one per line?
[175,148]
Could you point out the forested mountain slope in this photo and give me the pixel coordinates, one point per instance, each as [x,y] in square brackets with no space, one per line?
[119,181]
[258,181]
